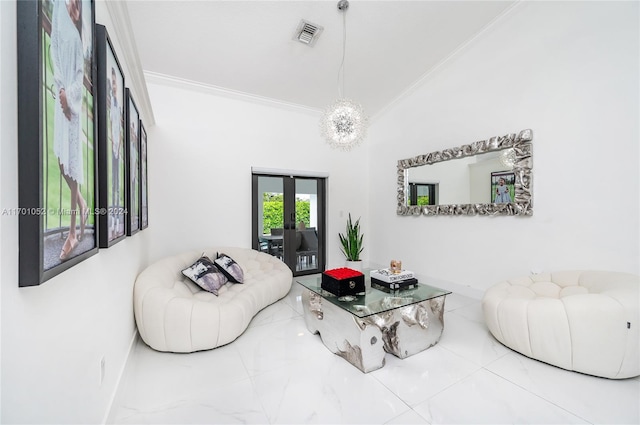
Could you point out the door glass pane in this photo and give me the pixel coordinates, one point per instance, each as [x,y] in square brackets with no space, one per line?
[423,194]
[306,224]
[271,215]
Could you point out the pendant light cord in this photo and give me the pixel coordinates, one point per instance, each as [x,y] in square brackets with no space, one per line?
[344,49]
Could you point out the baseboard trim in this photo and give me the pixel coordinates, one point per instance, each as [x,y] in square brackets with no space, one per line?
[114,394]
[466,291]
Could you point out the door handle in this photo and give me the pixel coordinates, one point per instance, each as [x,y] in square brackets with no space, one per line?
[292,224]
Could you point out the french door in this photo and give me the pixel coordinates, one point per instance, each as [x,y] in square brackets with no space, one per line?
[288,220]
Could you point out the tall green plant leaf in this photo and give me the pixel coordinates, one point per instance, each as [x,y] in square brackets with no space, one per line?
[352,242]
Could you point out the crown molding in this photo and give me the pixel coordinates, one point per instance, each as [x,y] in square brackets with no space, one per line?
[181,83]
[122,26]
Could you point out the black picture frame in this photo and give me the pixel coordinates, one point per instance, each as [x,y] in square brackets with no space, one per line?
[144,180]
[503,193]
[57,155]
[111,142]
[133,166]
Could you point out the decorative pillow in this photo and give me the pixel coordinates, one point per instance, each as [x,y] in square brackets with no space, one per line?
[206,275]
[229,268]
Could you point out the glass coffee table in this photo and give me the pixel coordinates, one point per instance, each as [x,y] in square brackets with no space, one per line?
[362,328]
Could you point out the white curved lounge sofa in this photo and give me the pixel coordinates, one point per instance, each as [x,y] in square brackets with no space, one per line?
[585,321]
[174,314]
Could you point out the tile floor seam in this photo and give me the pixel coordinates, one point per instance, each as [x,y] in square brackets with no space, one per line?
[394,393]
[262,406]
[244,364]
[268,322]
[479,365]
[404,413]
[538,396]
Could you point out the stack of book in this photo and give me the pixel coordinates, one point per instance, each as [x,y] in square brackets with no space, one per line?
[388,281]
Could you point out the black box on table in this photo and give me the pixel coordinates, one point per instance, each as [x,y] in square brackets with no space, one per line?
[343,281]
[393,286]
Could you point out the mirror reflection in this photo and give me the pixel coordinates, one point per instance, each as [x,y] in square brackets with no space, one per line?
[487,177]
[470,180]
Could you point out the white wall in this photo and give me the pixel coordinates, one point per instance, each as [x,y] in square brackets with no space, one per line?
[54,335]
[200,156]
[567,70]
[3,134]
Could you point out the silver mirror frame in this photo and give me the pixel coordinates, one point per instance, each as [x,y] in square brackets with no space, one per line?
[523,167]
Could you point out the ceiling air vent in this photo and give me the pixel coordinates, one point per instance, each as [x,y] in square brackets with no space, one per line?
[307,32]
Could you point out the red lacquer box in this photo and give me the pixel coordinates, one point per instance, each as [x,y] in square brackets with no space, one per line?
[343,281]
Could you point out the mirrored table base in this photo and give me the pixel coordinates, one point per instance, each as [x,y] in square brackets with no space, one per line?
[363,341]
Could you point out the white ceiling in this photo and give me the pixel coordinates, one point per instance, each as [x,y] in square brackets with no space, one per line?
[247,46]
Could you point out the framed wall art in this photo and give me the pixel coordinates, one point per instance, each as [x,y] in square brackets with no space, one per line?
[57,154]
[133,166]
[111,142]
[144,194]
[503,187]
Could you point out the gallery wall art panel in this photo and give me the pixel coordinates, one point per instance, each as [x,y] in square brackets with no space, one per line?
[112,163]
[133,166]
[144,180]
[57,156]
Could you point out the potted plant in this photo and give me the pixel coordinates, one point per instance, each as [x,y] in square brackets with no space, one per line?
[352,244]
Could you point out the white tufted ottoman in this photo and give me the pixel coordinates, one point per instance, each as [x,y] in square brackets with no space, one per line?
[174,314]
[585,321]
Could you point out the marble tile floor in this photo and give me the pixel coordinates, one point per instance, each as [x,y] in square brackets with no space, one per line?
[277,372]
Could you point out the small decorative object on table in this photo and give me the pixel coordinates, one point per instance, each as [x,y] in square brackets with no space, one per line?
[389,280]
[343,281]
[395,266]
[388,276]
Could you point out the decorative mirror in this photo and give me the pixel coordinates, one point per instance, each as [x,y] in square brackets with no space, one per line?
[488,177]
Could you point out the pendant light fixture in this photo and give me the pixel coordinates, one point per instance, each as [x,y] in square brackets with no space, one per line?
[508,158]
[343,124]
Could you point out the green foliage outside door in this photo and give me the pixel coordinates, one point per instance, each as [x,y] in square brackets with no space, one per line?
[273,212]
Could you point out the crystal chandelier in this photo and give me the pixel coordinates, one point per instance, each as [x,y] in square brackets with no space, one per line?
[344,123]
[508,158]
